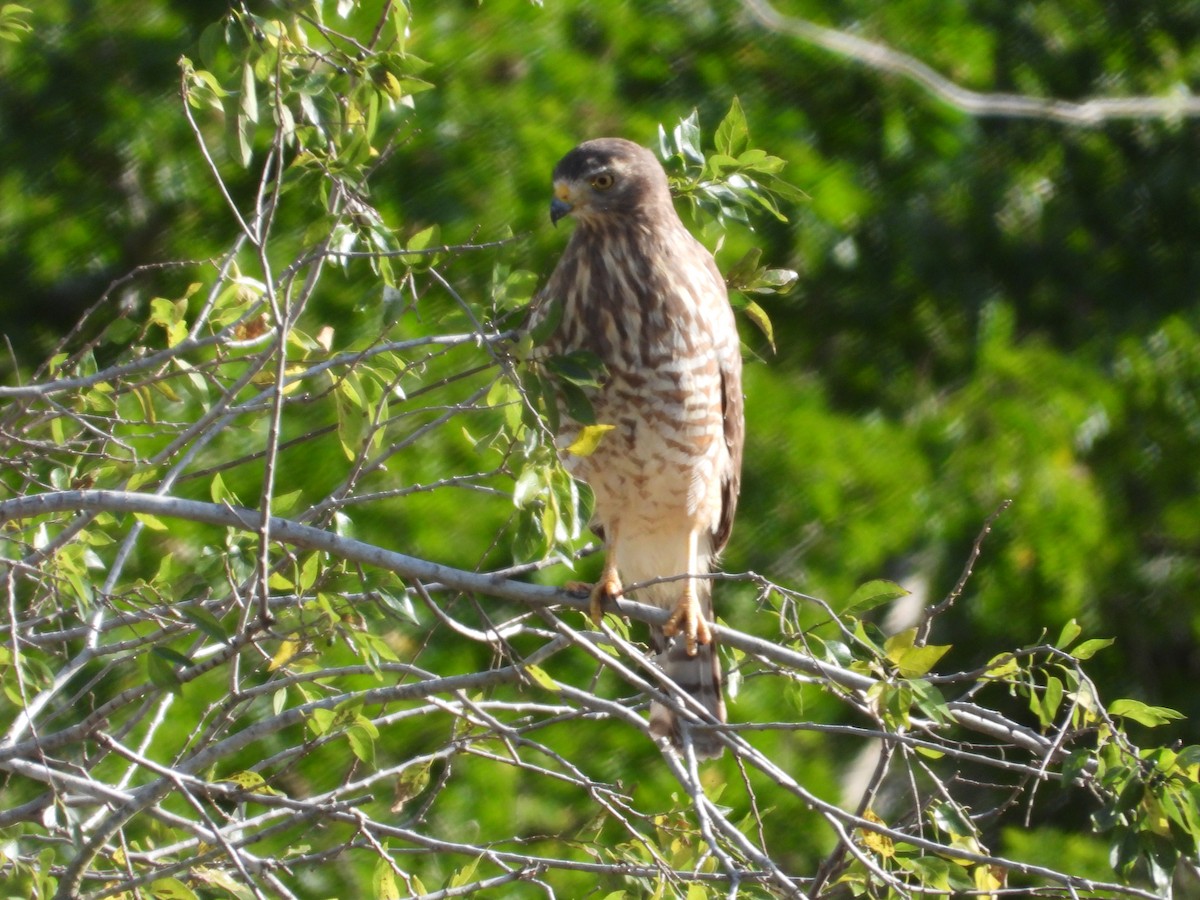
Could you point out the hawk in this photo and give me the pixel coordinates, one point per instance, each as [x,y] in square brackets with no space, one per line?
[644,296]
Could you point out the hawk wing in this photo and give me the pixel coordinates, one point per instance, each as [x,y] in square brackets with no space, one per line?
[735,432]
[729,363]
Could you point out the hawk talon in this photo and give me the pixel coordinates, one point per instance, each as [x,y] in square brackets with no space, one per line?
[688,617]
[605,592]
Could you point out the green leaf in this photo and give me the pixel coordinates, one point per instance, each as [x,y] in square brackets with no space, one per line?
[249,101]
[173,656]
[528,487]
[1144,714]
[171,889]
[774,281]
[758,316]
[1067,636]
[383,880]
[219,493]
[251,783]
[154,523]
[309,570]
[578,404]
[871,594]
[733,135]
[742,272]
[465,874]
[1088,649]
[580,367]
[687,138]
[951,819]
[1001,666]
[423,240]
[912,661]
[546,321]
[161,673]
[362,742]
[1052,697]
[931,701]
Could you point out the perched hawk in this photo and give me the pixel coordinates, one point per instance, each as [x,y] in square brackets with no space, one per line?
[646,297]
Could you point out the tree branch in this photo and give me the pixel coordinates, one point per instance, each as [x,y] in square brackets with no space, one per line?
[882,58]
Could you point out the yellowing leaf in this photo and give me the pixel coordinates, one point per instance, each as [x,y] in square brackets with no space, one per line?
[412,781]
[588,439]
[251,782]
[385,881]
[154,523]
[1002,666]
[988,878]
[216,878]
[759,317]
[879,844]
[286,652]
[542,678]
[913,662]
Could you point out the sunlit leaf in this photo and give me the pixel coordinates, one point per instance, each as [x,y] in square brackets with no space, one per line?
[1067,636]
[910,660]
[733,134]
[420,243]
[871,594]
[588,439]
[879,844]
[1088,649]
[465,874]
[251,782]
[153,522]
[362,742]
[541,677]
[1143,713]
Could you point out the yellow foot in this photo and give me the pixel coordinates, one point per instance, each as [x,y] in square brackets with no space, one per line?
[688,618]
[605,591]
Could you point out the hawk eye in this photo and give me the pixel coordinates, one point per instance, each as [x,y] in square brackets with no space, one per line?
[603,181]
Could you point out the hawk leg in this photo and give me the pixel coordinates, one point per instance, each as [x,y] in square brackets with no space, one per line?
[688,615]
[605,591]
[608,588]
[600,594]
[688,618]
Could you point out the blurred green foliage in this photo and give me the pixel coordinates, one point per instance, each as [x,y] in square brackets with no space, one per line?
[988,309]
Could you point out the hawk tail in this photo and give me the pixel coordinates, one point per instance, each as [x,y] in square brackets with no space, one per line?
[699,677]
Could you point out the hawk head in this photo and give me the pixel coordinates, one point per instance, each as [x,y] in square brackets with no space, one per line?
[606,177]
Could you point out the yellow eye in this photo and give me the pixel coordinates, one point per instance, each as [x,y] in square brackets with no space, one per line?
[603,181]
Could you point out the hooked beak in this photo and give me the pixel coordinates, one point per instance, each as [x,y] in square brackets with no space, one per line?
[561,205]
[558,209]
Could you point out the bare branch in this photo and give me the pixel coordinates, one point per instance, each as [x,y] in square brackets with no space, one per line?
[882,58]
